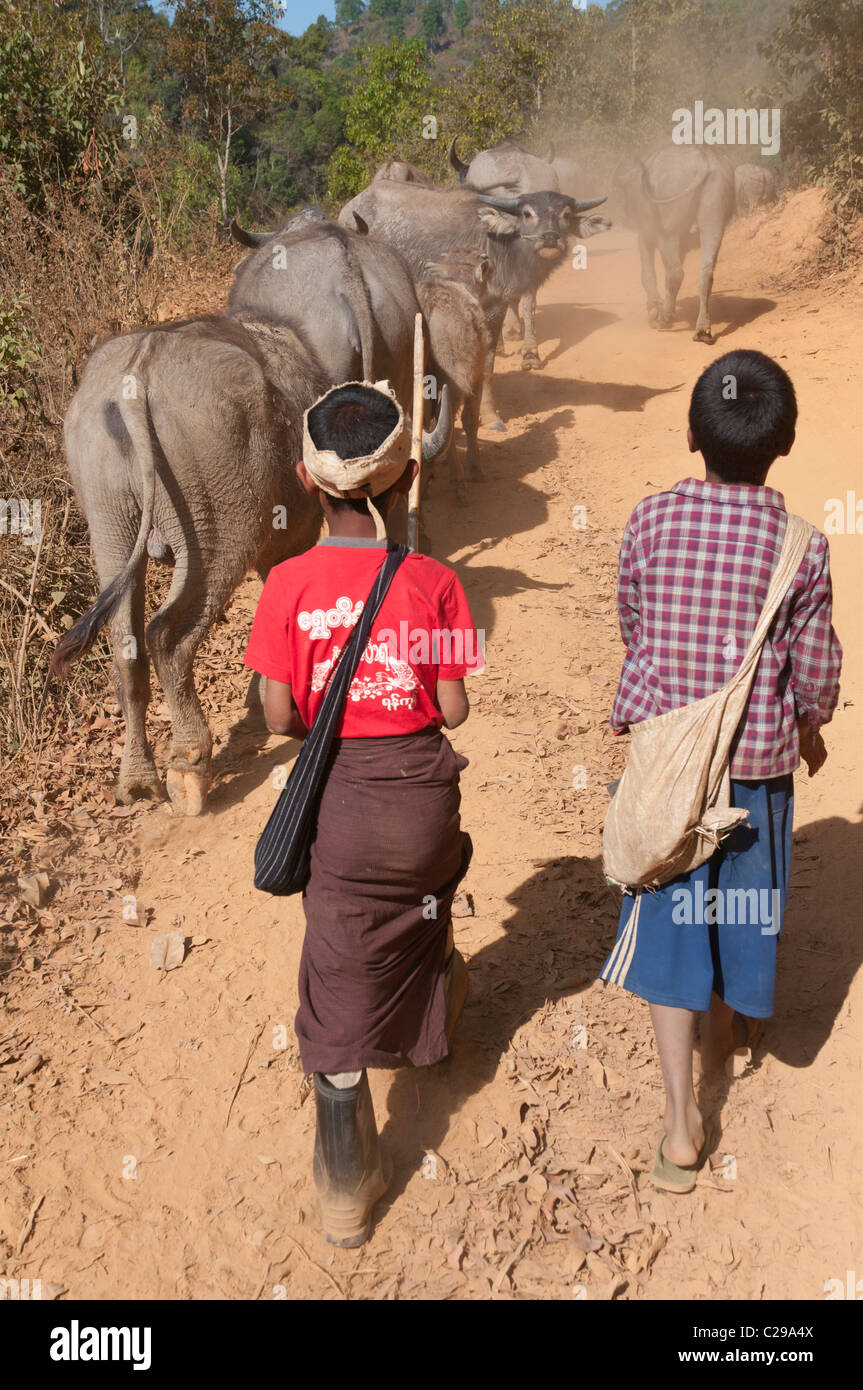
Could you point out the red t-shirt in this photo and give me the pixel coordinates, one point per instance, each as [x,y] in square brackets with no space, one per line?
[423,631]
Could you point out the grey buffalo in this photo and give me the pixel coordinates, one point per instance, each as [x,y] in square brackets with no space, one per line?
[402,171]
[568,172]
[670,194]
[753,185]
[506,170]
[450,293]
[525,238]
[353,300]
[182,441]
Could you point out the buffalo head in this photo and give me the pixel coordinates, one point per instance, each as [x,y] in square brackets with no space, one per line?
[547,220]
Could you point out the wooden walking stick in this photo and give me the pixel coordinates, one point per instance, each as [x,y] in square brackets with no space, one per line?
[416,435]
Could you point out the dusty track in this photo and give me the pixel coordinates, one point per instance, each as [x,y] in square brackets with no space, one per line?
[519,1163]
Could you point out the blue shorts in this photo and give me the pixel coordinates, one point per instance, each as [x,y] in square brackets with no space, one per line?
[714,930]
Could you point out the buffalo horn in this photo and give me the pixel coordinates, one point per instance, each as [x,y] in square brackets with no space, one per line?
[588,204]
[458,164]
[246,238]
[437,441]
[502,204]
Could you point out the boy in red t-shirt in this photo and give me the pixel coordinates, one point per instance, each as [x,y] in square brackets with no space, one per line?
[381,984]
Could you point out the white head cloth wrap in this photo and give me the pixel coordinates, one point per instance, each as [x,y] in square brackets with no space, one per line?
[360,477]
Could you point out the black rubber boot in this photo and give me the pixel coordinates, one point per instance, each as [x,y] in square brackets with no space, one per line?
[349,1174]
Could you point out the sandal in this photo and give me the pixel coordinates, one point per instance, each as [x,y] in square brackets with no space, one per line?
[671,1177]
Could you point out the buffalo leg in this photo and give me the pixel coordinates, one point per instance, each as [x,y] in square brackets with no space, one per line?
[488,411]
[513,327]
[648,280]
[470,425]
[710,243]
[529,354]
[669,250]
[138,775]
[455,465]
[173,637]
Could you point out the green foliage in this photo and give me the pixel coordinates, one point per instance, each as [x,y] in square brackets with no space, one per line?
[18,353]
[57,93]
[524,54]
[384,112]
[347,173]
[432,22]
[461,14]
[223,52]
[818,54]
[348,11]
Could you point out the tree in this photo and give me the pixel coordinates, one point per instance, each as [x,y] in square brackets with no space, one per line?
[348,11]
[817,55]
[524,44]
[57,101]
[223,51]
[384,113]
[462,15]
[432,22]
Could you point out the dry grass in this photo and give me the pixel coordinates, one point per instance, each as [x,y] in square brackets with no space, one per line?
[71,276]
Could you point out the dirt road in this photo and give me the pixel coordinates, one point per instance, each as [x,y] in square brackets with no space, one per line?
[162,1149]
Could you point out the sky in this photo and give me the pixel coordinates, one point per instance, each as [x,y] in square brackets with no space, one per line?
[301,13]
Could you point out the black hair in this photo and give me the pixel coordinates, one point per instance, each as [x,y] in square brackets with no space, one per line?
[353,421]
[742,415]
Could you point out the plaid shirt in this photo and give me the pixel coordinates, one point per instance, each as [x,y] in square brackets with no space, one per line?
[695,566]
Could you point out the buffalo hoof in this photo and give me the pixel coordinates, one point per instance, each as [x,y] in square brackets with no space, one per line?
[703,335]
[530,360]
[494,422]
[141,785]
[187,790]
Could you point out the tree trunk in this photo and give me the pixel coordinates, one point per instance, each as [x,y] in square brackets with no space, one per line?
[223,162]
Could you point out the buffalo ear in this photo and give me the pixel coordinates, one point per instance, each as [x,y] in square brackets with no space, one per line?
[592,226]
[481,273]
[498,223]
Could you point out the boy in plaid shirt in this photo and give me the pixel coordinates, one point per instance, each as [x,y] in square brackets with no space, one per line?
[695,566]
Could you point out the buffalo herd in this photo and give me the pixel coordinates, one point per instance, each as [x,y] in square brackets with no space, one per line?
[182,438]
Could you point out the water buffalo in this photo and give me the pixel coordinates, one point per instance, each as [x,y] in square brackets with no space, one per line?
[753,185]
[670,193]
[506,170]
[450,293]
[525,239]
[569,173]
[181,441]
[353,300]
[402,171]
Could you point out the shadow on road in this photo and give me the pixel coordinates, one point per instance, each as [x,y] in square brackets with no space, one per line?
[562,926]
